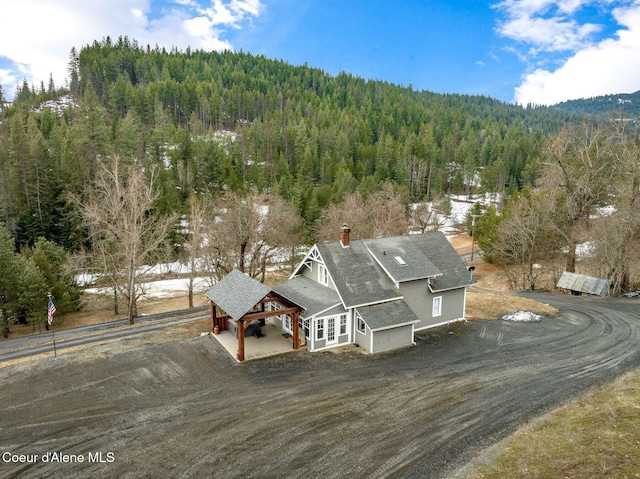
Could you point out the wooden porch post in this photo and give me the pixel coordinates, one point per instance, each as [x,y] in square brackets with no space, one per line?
[296,330]
[240,330]
[214,318]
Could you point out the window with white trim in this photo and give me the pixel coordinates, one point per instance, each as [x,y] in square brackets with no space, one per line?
[320,329]
[361,324]
[323,275]
[437,306]
[343,324]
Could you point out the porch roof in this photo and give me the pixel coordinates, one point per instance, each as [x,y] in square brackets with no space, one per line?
[312,296]
[237,294]
[387,315]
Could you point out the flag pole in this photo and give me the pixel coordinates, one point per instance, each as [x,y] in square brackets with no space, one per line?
[53,333]
[50,311]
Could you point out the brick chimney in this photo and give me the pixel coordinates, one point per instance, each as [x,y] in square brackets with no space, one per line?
[344,235]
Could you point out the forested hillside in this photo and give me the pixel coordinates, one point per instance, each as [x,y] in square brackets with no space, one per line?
[621,106]
[230,161]
[214,122]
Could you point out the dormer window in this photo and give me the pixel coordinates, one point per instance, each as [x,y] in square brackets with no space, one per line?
[400,261]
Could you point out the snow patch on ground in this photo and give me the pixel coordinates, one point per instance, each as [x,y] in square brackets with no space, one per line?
[521,316]
[167,288]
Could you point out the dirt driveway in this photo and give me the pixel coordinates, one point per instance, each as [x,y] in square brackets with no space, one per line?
[185,409]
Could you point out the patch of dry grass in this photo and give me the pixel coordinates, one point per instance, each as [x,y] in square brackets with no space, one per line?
[492,306]
[597,436]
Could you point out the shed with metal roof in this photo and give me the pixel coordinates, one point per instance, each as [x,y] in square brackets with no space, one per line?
[581,283]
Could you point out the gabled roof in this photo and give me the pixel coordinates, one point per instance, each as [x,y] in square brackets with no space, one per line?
[312,296]
[237,294]
[357,276]
[401,258]
[435,246]
[387,315]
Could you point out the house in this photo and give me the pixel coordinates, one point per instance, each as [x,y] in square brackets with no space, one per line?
[375,293]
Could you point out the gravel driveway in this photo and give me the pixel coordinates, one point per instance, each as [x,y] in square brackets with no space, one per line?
[185,409]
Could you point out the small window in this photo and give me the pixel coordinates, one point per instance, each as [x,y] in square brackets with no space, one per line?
[437,306]
[343,324]
[361,324]
[400,261]
[320,329]
[323,275]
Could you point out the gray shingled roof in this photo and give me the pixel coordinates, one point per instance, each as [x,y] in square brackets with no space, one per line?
[356,275]
[435,246]
[401,257]
[309,294]
[237,294]
[387,315]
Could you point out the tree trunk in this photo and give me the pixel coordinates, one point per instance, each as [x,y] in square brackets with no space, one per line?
[115,301]
[243,249]
[571,253]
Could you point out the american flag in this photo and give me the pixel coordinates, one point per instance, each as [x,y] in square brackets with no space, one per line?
[51,312]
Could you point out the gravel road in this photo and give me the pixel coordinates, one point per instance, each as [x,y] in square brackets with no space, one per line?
[185,409]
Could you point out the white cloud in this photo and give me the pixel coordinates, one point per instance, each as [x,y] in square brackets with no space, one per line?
[7,78]
[545,25]
[590,66]
[39,34]
[610,66]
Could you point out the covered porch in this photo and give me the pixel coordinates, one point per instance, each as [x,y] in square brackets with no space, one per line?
[238,312]
[273,343]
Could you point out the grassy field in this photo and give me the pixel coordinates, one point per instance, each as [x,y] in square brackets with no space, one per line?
[595,437]
[492,305]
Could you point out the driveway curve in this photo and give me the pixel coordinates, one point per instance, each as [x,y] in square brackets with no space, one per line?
[185,409]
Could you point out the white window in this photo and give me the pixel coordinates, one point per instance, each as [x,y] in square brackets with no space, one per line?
[323,275]
[320,329]
[361,324]
[343,324]
[437,306]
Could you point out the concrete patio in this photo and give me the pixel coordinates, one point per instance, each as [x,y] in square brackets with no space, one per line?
[273,343]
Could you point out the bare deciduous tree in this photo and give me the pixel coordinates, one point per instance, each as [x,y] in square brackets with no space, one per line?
[614,235]
[579,168]
[429,216]
[384,213]
[248,232]
[525,237]
[123,227]
[200,214]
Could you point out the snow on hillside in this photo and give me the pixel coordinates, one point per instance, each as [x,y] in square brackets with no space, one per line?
[57,106]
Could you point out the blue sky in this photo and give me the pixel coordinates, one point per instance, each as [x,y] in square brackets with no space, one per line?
[522,51]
